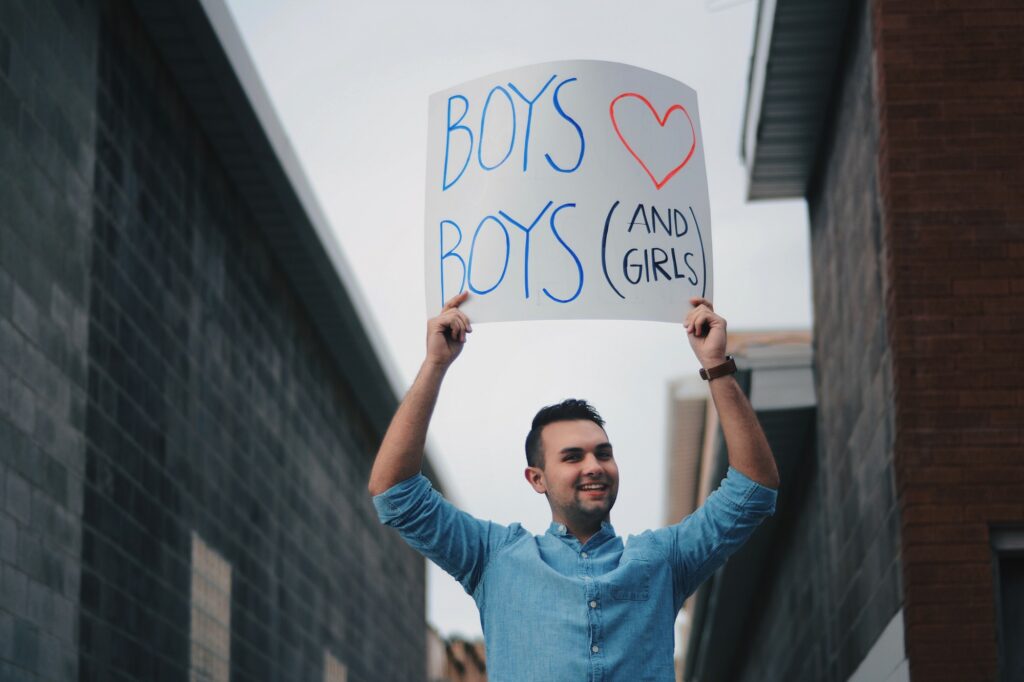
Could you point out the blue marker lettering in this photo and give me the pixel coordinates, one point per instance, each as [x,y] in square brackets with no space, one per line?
[450,253]
[604,251]
[526,255]
[579,131]
[634,222]
[677,215]
[472,250]
[579,266]
[483,121]
[626,266]
[658,258]
[686,261]
[448,139]
[529,116]
[656,218]
[703,256]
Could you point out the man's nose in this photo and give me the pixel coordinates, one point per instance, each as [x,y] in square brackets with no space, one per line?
[592,465]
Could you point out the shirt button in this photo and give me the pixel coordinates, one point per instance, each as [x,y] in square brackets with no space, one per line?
[595,648]
[584,555]
[593,604]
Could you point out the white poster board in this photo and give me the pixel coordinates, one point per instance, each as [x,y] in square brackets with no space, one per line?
[567,190]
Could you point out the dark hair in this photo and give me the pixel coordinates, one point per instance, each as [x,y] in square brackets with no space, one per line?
[568,410]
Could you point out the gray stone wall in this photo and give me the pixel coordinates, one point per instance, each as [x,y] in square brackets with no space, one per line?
[159,383]
[836,583]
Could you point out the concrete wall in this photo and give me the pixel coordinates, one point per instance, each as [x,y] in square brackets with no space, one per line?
[162,390]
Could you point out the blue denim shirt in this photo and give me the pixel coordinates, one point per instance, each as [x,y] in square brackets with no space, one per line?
[554,610]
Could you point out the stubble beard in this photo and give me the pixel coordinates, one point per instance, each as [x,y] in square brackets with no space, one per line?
[591,510]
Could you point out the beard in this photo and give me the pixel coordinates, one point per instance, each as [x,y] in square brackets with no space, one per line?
[588,510]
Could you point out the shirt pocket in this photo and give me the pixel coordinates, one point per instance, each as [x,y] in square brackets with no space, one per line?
[631,581]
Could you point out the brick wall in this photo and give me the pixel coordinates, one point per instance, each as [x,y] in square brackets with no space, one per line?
[162,389]
[853,366]
[47,93]
[951,111]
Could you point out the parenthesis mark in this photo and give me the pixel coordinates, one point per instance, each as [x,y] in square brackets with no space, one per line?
[703,257]
[604,246]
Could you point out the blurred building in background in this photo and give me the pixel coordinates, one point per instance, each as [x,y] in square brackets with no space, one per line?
[775,372]
[190,397]
[455,659]
[901,553]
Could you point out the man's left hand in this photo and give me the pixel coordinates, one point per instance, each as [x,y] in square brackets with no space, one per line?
[706,332]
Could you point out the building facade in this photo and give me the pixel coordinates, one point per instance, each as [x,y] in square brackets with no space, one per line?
[455,659]
[190,399]
[902,124]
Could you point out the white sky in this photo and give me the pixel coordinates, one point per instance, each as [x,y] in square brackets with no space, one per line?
[350,83]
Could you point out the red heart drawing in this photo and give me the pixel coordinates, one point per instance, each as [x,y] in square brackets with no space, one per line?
[661,122]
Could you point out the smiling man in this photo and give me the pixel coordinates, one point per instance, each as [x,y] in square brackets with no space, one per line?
[576,603]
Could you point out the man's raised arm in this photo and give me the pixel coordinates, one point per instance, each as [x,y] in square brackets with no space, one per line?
[401,452]
[748,448]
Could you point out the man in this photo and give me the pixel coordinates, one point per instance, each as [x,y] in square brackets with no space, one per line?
[576,603]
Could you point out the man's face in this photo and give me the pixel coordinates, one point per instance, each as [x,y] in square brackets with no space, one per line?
[579,476]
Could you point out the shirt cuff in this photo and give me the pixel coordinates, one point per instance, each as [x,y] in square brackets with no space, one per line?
[748,494]
[402,496]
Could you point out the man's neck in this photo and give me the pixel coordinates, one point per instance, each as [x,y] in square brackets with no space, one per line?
[582,530]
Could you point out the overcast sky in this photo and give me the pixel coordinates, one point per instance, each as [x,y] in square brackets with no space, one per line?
[350,83]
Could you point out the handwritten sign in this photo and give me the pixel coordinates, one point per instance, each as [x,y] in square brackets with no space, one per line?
[572,189]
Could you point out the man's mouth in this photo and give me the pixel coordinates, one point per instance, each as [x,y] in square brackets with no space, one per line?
[593,487]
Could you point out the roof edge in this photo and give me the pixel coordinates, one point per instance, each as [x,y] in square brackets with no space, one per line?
[200,43]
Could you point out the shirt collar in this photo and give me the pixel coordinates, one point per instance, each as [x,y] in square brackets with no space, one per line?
[606,532]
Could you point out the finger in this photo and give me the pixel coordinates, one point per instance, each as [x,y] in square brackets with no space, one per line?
[456,301]
[699,300]
[455,329]
[699,322]
[694,314]
[465,320]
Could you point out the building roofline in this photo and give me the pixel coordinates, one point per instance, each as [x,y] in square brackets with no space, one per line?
[206,54]
[797,51]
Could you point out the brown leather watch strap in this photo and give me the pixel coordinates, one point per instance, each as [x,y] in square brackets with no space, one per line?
[727,367]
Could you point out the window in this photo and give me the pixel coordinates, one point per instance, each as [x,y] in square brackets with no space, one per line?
[210,632]
[334,670]
[1008,545]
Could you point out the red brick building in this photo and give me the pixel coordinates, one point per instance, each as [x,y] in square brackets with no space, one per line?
[902,124]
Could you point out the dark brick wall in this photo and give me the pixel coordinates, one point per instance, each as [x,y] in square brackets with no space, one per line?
[951,160]
[836,581]
[853,366]
[159,381]
[47,93]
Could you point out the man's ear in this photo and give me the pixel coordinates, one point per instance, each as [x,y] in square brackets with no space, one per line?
[535,477]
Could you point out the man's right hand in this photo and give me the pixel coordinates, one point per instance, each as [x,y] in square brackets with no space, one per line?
[446,333]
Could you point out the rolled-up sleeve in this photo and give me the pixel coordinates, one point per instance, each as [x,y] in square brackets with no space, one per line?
[701,542]
[454,540]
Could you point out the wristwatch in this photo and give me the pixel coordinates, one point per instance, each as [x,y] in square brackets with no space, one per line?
[727,367]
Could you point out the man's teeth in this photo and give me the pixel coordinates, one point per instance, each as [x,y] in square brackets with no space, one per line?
[593,486]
